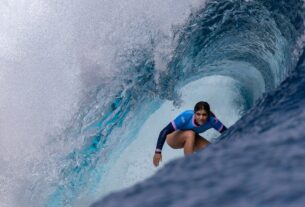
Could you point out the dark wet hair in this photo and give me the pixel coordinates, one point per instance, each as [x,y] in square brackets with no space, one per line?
[202,105]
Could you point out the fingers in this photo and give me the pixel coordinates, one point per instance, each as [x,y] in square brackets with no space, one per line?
[156,163]
[156,160]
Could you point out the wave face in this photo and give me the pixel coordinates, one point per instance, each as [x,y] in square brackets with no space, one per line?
[103,67]
[259,161]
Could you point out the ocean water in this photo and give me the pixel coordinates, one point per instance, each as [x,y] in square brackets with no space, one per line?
[87,86]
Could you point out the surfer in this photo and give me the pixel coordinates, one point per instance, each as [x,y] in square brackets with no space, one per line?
[183,131]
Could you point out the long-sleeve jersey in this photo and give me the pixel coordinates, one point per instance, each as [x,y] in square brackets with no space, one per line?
[186,121]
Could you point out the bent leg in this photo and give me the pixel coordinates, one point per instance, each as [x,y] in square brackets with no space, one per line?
[176,139]
[189,142]
[182,139]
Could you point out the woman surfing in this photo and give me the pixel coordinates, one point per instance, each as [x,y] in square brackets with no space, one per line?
[183,131]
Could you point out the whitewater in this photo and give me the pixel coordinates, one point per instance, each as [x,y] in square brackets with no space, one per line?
[86,87]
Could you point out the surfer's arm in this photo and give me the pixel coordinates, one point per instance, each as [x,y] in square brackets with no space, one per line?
[162,137]
[223,129]
[174,125]
[218,125]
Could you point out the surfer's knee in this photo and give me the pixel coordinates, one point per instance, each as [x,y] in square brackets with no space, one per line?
[189,137]
[189,134]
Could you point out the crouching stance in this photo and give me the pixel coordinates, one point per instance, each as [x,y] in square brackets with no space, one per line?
[183,131]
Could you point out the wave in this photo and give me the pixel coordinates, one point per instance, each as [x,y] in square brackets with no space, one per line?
[253,42]
[219,39]
[257,44]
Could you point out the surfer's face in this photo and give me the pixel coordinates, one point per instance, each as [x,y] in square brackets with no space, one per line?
[201,116]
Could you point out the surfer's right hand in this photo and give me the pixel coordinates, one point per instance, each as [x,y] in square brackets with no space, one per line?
[157,159]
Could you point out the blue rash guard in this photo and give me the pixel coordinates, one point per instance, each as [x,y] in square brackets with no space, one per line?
[186,121]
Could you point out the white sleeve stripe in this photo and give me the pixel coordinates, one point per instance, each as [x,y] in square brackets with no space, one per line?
[220,128]
[174,125]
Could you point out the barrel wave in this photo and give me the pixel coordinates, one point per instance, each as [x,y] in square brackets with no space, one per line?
[258,161]
[246,58]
